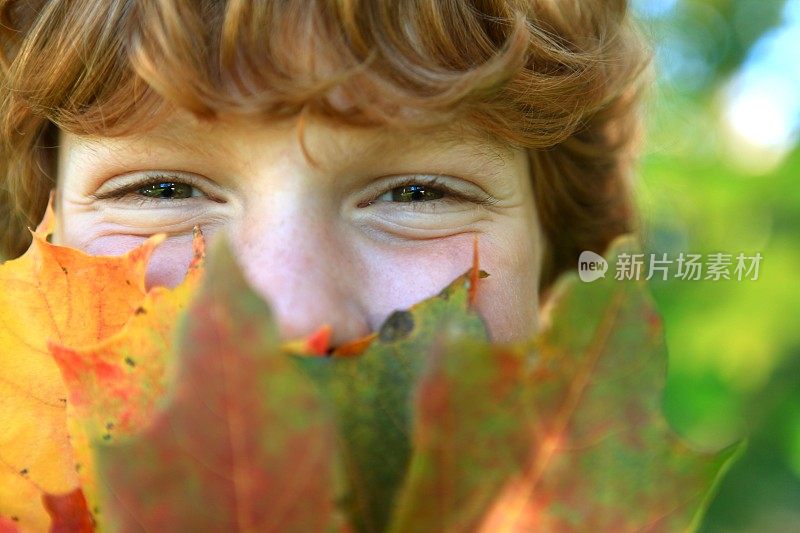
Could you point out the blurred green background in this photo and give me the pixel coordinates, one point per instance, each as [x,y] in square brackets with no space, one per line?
[721,173]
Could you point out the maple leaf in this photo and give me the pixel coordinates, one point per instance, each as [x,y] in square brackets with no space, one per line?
[193,416]
[586,396]
[61,294]
[370,395]
[442,431]
[238,440]
[123,375]
[470,433]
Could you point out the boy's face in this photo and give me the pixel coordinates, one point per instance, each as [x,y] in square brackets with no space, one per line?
[378,221]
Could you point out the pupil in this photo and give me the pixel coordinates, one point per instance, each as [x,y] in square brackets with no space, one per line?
[415,193]
[167,190]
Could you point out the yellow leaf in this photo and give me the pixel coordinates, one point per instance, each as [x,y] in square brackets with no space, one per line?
[124,374]
[52,294]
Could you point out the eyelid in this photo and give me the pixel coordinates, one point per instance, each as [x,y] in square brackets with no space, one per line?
[434,181]
[120,191]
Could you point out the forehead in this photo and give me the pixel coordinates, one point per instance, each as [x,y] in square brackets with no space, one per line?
[319,139]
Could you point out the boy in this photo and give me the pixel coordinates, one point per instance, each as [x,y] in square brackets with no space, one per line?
[352,149]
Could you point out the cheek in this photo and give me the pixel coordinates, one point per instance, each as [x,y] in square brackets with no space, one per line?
[507,299]
[397,277]
[168,263]
[86,230]
[509,304]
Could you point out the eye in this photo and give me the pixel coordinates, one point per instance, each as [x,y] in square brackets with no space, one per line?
[168,190]
[159,190]
[412,193]
[427,191]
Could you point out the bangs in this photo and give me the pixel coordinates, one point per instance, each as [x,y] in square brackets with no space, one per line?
[119,66]
[124,65]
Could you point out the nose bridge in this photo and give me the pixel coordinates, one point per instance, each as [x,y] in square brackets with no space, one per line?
[296,258]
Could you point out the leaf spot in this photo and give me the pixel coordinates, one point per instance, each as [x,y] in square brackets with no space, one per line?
[130,362]
[64,270]
[397,326]
[140,311]
[23,472]
[106,437]
[15,518]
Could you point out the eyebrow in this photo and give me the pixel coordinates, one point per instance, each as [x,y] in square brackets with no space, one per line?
[202,139]
[177,131]
[178,140]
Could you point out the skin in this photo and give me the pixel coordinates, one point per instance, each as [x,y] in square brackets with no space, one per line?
[326,241]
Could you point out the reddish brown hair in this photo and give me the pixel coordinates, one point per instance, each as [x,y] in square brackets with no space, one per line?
[560,78]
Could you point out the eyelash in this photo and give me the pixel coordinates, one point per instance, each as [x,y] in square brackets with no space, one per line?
[141,200]
[434,182]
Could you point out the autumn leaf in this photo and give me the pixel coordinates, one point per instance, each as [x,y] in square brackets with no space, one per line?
[69,512]
[450,433]
[239,440]
[60,294]
[471,433]
[124,375]
[186,413]
[370,396]
[587,399]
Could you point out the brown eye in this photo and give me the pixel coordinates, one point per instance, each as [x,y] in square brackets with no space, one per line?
[167,190]
[415,193]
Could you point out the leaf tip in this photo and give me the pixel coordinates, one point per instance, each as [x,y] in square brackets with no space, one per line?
[475,273]
[354,347]
[198,252]
[319,342]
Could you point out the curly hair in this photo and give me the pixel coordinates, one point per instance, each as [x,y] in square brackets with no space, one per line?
[559,78]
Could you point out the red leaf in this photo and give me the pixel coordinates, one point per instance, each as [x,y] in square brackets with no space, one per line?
[240,442]
[69,512]
[8,526]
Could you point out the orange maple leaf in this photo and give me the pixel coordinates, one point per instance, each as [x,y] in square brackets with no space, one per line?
[52,293]
[124,374]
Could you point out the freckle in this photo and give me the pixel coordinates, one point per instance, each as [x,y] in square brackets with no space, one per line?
[130,362]
[96,510]
[106,437]
[64,270]
[140,311]
[110,425]
[77,467]
[23,472]
[62,400]
[15,518]
[397,326]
